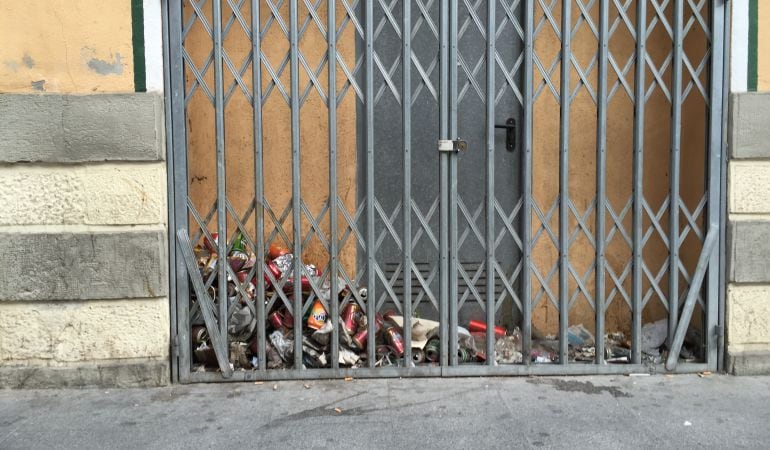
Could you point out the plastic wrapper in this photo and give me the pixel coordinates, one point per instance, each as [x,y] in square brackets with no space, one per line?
[242,323]
[282,345]
[324,334]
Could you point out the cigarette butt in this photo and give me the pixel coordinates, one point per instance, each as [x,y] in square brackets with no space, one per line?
[348,378]
[275,387]
[704,374]
[306,386]
[338,410]
[259,382]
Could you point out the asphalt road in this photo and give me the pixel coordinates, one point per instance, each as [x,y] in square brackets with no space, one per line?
[585,412]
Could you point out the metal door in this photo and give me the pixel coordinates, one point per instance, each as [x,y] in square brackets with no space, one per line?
[447,222]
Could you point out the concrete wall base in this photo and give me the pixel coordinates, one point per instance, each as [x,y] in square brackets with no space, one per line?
[749,363]
[103,374]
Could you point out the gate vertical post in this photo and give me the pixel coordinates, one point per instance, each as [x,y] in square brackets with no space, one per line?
[725,42]
[601,179]
[638,191]
[444,188]
[259,182]
[490,207]
[674,172]
[565,99]
[219,121]
[526,276]
[296,192]
[177,168]
[371,302]
[715,207]
[406,122]
[453,261]
[331,41]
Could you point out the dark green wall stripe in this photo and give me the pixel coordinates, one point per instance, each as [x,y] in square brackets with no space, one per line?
[753,28]
[137,30]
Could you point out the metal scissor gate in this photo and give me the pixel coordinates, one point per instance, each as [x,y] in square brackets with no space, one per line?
[429,169]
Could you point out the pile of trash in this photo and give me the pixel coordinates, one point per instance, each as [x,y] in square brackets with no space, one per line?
[317,325]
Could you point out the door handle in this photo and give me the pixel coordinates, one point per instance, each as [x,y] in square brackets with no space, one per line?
[510,133]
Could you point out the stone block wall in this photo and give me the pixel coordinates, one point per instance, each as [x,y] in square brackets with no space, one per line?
[748,293]
[83,246]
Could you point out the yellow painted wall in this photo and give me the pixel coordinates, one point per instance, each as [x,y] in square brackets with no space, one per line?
[76,46]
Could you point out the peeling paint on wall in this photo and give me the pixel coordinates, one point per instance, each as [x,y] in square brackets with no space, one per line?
[45,41]
[103,67]
[28,61]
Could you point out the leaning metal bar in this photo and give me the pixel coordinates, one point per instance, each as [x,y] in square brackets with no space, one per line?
[259,182]
[565,100]
[601,178]
[207,304]
[526,155]
[296,192]
[171,177]
[406,122]
[331,41]
[490,231]
[371,302]
[443,169]
[638,192]
[725,39]
[453,259]
[714,167]
[674,171]
[219,112]
[704,263]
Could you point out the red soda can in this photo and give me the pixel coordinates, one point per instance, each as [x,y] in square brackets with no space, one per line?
[394,339]
[350,316]
[474,326]
[276,319]
[359,340]
[288,319]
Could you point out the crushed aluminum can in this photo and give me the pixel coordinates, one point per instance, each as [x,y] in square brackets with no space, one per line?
[323,334]
[210,245]
[382,350]
[276,319]
[288,319]
[418,356]
[205,355]
[284,263]
[350,317]
[464,356]
[394,339]
[317,316]
[276,250]
[475,326]
[200,335]
[359,339]
[433,350]
[254,346]
[237,260]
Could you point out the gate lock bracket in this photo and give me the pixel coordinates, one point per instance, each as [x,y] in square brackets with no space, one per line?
[457,145]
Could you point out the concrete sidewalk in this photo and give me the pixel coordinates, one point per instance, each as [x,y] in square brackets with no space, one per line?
[586,412]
